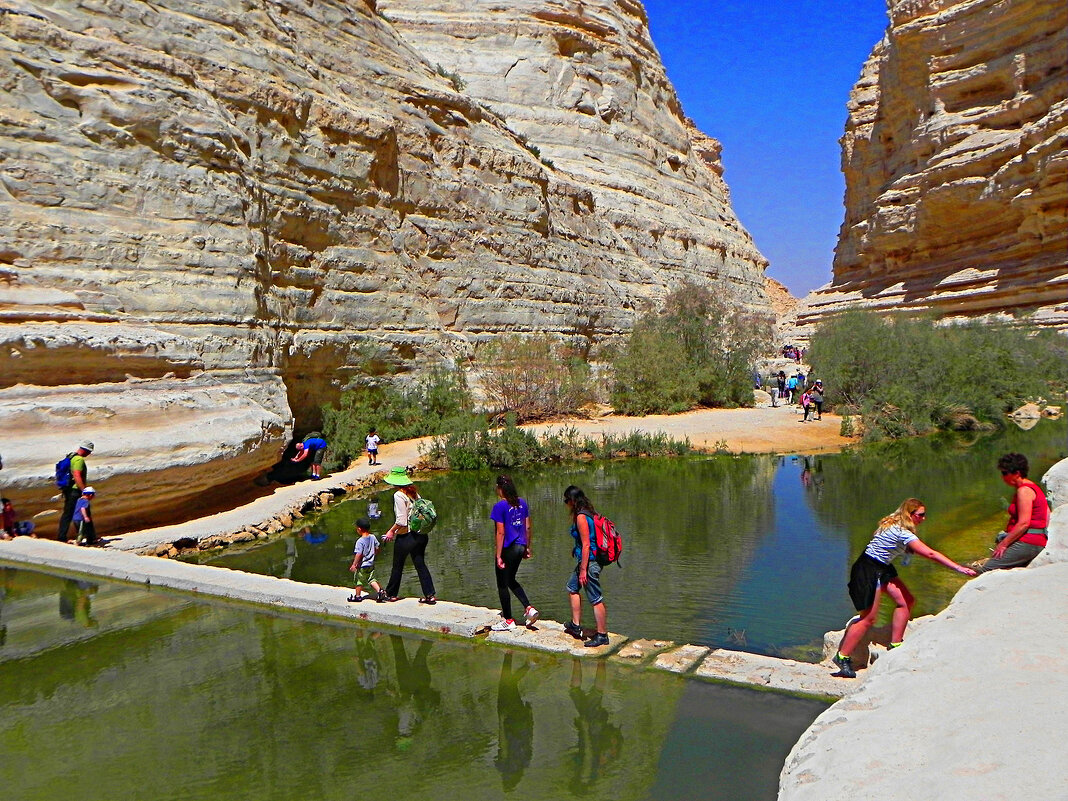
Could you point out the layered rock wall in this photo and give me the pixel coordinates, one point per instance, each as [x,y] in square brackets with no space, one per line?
[220,211]
[956,163]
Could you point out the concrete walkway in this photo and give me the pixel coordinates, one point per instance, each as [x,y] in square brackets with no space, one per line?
[444,617]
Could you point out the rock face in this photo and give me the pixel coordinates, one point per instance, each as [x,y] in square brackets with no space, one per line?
[956,163]
[216,211]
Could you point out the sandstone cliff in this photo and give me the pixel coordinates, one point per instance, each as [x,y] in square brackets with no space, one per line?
[214,211]
[956,163]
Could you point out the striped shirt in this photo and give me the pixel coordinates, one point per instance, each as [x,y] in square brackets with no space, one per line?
[889,543]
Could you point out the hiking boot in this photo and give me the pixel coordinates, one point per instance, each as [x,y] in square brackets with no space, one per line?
[574,629]
[506,624]
[530,617]
[845,667]
[596,641]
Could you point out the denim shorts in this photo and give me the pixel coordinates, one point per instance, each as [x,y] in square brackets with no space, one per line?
[593,582]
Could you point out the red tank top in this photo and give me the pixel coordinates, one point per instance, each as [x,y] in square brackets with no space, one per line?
[1039,517]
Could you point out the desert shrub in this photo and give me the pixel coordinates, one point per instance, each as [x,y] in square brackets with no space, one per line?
[909,376]
[473,446]
[696,350]
[533,378]
[440,401]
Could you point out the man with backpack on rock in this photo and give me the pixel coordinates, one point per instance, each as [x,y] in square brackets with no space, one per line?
[72,477]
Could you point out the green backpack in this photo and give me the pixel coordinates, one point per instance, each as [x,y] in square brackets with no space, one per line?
[422,517]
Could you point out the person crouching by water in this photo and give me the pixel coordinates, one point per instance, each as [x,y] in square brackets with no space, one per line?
[1025,535]
[587,571]
[872,575]
[511,526]
[409,543]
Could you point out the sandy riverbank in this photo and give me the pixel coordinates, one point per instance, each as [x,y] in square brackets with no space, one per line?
[757,430]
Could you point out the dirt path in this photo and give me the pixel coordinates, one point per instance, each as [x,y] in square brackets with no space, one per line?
[759,430]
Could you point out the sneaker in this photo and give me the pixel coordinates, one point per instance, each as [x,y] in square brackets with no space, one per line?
[503,625]
[530,617]
[596,641]
[845,667]
[355,598]
[574,629]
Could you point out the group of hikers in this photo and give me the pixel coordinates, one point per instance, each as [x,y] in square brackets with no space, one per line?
[793,389]
[414,517]
[872,575]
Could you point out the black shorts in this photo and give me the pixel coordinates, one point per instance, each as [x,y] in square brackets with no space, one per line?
[865,576]
[317,455]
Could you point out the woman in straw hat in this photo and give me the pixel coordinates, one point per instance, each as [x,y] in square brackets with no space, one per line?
[408,543]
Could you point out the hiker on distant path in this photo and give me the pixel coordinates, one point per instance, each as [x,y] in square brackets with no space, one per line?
[313,447]
[780,384]
[83,518]
[372,446]
[799,380]
[873,575]
[815,395]
[791,385]
[511,524]
[1024,536]
[72,476]
[409,543]
[587,572]
[806,404]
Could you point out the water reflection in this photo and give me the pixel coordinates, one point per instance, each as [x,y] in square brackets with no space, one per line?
[276,709]
[515,725]
[74,603]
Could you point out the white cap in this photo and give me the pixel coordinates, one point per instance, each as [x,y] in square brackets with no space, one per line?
[88,491]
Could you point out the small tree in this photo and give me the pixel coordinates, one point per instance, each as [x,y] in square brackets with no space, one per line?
[533,377]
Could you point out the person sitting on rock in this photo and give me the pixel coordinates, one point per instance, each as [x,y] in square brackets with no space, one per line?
[1024,536]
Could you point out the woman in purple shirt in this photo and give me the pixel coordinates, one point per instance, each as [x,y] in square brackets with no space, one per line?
[511,521]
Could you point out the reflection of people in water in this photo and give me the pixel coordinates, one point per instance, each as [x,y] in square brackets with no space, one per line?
[74,602]
[417,696]
[515,726]
[367,659]
[599,740]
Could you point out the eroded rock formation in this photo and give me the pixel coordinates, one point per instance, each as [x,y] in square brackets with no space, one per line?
[211,208]
[956,162]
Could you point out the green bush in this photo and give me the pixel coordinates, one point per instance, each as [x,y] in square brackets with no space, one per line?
[473,446]
[694,351]
[910,376]
[439,402]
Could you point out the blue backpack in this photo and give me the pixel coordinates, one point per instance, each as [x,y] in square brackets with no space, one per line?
[64,475]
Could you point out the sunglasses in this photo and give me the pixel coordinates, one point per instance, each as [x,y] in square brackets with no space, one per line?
[919,514]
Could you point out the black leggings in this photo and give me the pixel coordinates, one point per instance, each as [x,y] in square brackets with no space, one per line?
[512,556]
[415,545]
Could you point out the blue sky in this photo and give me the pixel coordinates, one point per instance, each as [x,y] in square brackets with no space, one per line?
[770,80]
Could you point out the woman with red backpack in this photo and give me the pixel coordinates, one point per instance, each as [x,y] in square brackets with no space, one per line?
[587,572]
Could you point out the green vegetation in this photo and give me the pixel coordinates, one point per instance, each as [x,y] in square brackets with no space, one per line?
[438,403]
[533,378]
[477,447]
[695,351]
[911,376]
[457,82]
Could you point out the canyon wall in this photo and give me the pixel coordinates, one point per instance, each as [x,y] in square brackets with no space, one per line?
[955,156]
[217,213]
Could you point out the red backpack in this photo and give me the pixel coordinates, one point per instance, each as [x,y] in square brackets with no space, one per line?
[607,541]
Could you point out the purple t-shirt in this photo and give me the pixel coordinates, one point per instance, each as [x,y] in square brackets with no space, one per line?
[514,519]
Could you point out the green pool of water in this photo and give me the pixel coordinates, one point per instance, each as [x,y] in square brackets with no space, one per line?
[745,552]
[115,692]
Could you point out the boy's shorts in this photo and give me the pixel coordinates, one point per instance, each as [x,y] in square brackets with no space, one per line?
[593,582]
[365,575]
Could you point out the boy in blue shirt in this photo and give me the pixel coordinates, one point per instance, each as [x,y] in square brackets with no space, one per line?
[83,518]
[363,562]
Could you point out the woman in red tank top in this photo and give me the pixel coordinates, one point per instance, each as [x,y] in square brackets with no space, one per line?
[1025,535]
